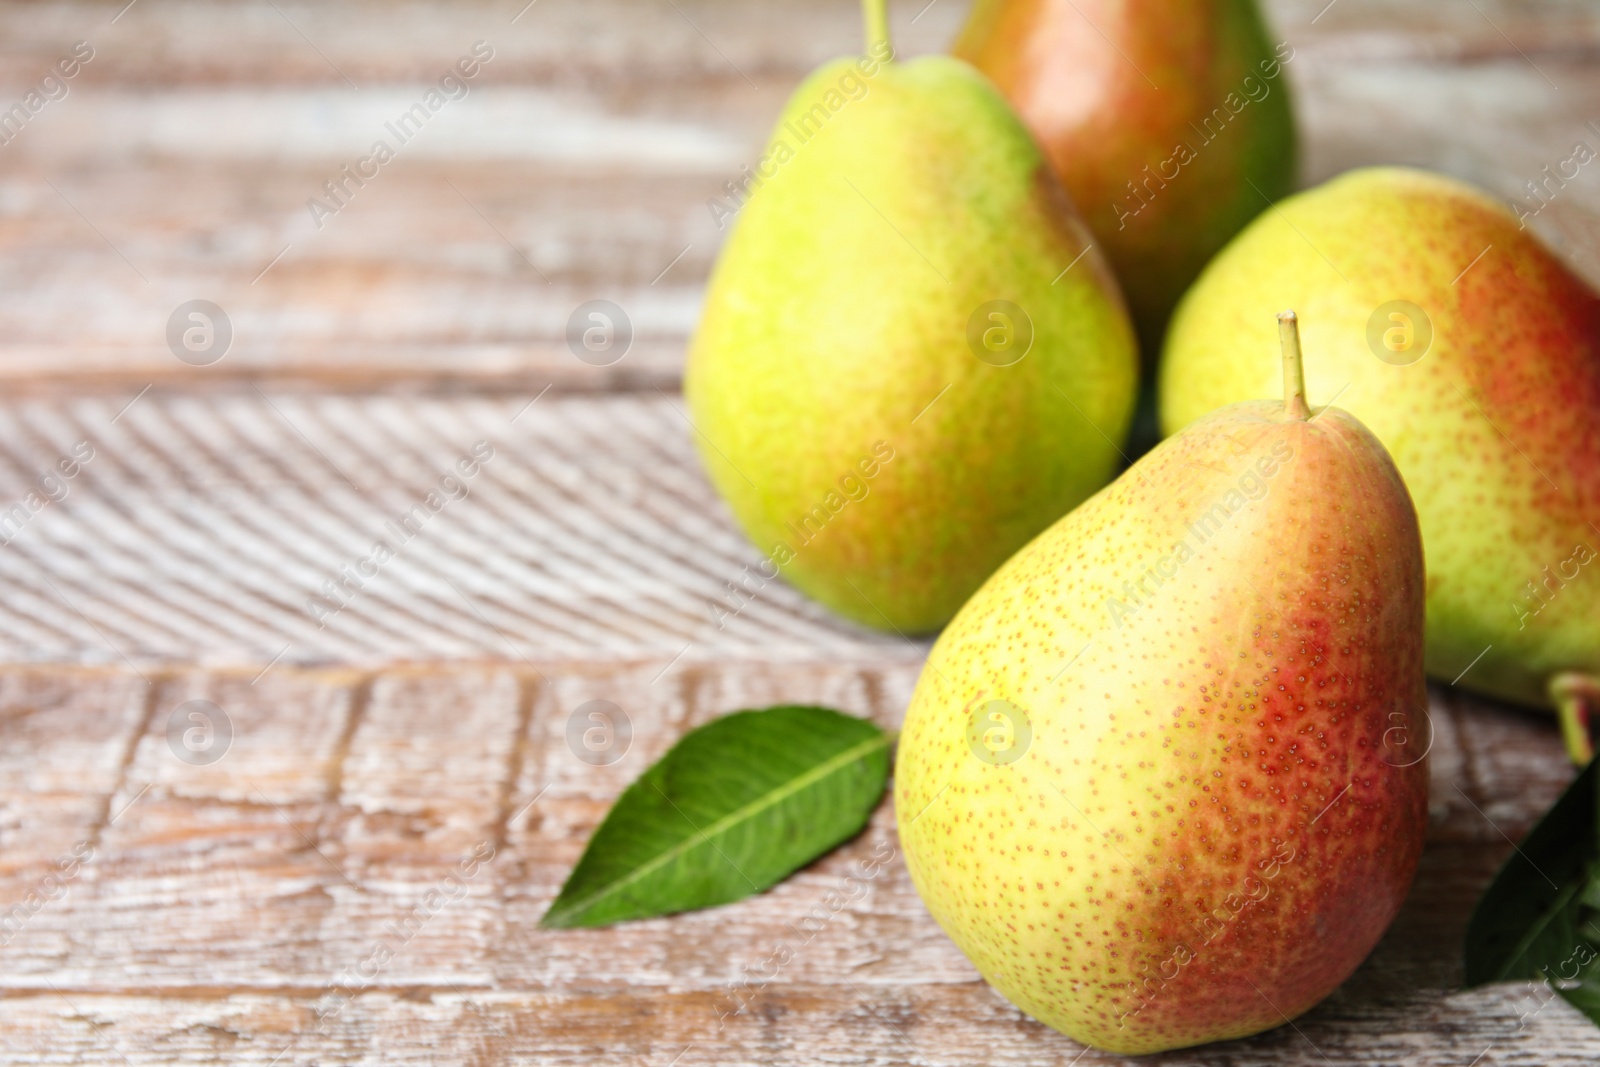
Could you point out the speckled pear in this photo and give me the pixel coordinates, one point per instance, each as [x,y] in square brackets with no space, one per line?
[1163,778]
[911,360]
[1474,355]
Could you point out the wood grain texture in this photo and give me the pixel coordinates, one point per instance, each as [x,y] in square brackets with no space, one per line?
[228,911]
[177,911]
[182,162]
[242,529]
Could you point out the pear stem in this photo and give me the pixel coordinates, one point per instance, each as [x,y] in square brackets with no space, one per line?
[876,13]
[1294,371]
[1576,697]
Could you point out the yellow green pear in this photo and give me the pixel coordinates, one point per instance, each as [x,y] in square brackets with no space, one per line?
[1474,355]
[911,360]
[1162,779]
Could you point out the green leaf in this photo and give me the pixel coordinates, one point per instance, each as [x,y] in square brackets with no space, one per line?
[1583,991]
[1551,937]
[735,806]
[1576,976]
[1528,917]
[1591,891]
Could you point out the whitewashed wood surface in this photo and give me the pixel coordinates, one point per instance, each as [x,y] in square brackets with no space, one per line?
[222,910]
[371,749]
[206,529]
[181,161]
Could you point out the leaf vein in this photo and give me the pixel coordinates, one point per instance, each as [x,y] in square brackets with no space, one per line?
[730,821]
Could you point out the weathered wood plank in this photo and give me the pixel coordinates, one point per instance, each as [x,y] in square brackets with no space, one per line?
[356,793]
[232,909]
[227,830]
[67,740]
[641,43]
[566,174]
[945,1025]
[242,529]
[227,911]
[221,925]
[211,530]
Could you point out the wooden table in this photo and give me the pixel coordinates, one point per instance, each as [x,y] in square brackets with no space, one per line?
[221,903]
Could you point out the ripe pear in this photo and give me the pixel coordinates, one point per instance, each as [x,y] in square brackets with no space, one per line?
[1169,122]
[910,359]
[1161,778]
[1474,354]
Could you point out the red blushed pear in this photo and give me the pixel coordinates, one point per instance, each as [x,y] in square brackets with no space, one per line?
[1168,121]
[1474,355]
[1163,778]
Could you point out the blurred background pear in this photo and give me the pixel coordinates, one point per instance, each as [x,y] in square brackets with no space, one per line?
[1168,121]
